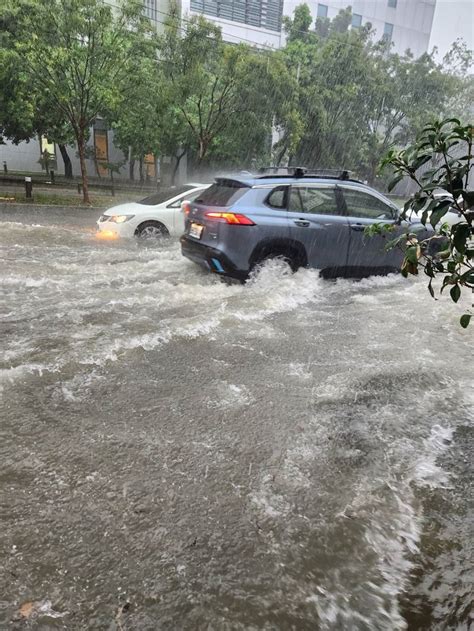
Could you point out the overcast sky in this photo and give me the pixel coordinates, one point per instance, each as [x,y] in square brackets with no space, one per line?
[452,19]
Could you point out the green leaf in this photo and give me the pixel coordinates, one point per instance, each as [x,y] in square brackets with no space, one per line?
[430,289]
[461,234]
[419,203]
[455,293]
[446,121]
[465,319]
[413,253]
[468,197]
[429,270]
[421,160]
[439,211]
[394,182]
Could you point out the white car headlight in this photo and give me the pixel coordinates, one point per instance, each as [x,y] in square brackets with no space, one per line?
[120,218]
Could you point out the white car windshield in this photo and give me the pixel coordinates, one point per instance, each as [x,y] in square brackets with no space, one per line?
[163,196]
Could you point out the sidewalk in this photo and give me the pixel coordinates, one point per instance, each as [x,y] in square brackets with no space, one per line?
[50,215]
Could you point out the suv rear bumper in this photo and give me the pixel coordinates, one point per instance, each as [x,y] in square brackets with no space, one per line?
[210,258]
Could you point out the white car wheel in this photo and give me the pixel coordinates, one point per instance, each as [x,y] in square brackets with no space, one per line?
[151,230]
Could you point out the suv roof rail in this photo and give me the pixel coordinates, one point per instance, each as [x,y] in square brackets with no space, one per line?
[301,172]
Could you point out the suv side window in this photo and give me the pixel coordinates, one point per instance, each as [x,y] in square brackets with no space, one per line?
[361,204]
[316,200]
[277,198]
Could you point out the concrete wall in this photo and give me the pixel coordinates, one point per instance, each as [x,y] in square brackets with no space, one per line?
[25,157]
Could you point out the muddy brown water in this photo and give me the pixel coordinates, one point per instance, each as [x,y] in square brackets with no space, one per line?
[178,453]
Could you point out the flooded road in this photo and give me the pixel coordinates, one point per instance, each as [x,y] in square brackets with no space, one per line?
[178,453]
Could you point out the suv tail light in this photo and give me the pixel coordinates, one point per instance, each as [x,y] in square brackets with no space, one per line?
[232,218]
[186,207]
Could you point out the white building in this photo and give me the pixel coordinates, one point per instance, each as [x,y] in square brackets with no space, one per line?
[407,23]
[257,22]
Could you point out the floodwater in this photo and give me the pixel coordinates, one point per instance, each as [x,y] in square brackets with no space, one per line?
[178,453]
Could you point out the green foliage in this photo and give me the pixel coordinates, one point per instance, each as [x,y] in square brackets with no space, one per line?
[297,29]
[74,55]
[220,93]
[446,147]
[330,98]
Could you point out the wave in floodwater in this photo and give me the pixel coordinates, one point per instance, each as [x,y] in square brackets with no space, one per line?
[286,454]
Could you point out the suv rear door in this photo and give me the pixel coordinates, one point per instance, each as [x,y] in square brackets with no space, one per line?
[316,219]
[364,209]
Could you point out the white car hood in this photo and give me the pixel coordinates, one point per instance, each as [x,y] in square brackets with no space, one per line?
[132,208]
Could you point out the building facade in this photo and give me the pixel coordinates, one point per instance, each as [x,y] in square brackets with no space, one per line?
[406,23]
[257,22]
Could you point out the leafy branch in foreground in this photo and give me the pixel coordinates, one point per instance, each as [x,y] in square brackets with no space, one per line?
[446,147]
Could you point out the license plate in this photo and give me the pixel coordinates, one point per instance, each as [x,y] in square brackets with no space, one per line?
[195,230]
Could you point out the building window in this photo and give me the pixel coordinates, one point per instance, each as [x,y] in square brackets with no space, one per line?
[261,13]
[322,10]
[392,4]
[388,31]
[356,20]
[101,153]
[149,9]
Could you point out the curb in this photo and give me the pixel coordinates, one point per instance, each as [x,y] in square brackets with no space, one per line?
[6,206]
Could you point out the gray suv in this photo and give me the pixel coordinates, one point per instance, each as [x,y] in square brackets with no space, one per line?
[306,219]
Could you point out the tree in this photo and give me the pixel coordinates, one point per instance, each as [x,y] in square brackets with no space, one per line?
[297,29]
[201,71]
[136,117]
[221,92]
[357,100]
[400,94]
[448,146]
[16,111]
[333,75]
[76,53]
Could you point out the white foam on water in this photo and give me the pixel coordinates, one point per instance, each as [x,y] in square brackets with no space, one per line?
[230,396]
[300,371]
[383,500]
[10,375]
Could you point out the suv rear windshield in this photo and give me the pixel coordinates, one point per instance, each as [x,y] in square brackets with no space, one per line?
[164,195]
[222,193]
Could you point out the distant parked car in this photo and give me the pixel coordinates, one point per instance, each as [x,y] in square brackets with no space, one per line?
[155,216]
[306,220]
[452,216]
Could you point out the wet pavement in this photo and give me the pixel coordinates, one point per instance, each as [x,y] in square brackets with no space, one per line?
[179,453]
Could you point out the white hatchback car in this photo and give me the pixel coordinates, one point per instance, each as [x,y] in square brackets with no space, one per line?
[155,216]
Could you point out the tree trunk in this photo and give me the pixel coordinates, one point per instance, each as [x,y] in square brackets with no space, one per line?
[178,159]
[140,169]
[281,155]
[67,162]
[96,165]
[372,173]
[203,147]
[131,164]
[81,147]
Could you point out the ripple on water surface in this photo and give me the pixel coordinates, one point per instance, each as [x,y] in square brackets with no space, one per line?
[288,454]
